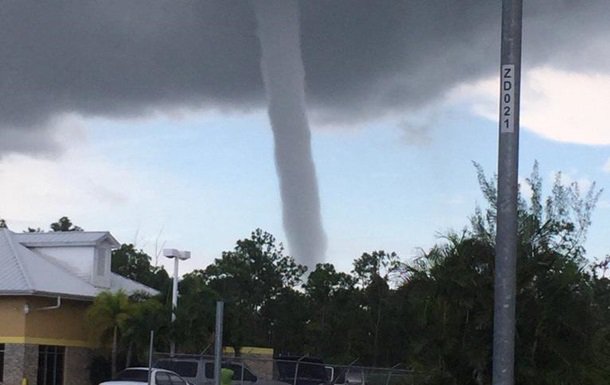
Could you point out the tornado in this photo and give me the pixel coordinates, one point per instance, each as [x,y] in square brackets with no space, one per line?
[284,79]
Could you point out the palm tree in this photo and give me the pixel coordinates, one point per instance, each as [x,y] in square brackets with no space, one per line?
[106,318]
[148,314]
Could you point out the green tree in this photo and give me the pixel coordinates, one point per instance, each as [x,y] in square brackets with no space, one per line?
[252,274]
[448,297]
[560,222]
[195,314]
[601,311]
[374,272]
[64,224]
[449,292]
[135,264]
[286,317]
[106,319]
[145,315]
[379,263]
[335,312]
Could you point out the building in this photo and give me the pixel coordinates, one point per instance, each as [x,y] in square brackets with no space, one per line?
[47,282]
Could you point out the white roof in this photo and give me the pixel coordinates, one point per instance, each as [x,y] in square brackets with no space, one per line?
[65,238]
[28,272]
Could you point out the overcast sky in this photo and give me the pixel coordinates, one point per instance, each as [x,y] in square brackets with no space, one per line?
[148,118]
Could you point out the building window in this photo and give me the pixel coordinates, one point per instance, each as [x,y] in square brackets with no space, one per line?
[51,365]
[1,362]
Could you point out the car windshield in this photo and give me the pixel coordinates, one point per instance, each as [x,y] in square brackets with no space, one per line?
[183,368]
[238,371]
[306,369]
[137,375]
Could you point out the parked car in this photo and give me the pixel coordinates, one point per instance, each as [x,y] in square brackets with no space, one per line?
[330,374]
[139,376]
[349,376]
[200,371]
[302,370]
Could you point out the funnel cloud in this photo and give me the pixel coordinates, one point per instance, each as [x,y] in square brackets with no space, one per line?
[284,80]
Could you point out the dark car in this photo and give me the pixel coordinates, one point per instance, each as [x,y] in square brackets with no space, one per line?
[348,376]
[301,370]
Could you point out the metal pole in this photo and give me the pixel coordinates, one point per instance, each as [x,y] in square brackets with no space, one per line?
[508,165]
[242,367]
[218,342]
[296,370]
[150,355]
[390,374]
[172,347]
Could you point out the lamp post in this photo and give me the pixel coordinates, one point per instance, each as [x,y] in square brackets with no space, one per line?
[177,255]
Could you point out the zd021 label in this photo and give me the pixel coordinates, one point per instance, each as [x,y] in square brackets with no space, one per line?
[507,99]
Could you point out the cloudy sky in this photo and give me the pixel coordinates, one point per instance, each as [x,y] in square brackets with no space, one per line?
[148,118]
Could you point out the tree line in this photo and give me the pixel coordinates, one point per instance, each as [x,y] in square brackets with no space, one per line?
[432,314]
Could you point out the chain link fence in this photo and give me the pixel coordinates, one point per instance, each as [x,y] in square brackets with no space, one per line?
[259,369]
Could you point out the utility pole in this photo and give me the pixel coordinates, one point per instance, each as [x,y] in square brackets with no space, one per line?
[218,341]
[508,166]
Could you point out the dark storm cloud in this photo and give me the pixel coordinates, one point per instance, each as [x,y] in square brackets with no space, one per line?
[362,58]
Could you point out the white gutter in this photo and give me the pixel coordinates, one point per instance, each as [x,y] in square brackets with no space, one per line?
[27,309]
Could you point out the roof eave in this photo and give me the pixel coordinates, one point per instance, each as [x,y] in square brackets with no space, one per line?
[112,240]
[33,293]
[58,244]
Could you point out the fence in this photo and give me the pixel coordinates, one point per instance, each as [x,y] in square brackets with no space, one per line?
[251,368]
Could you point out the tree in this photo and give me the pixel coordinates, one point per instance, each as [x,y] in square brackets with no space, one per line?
[560,332]
[145,315]
[560,222]
[448,297]
[195,315]
[373,272]
[252,274]
[369,266]
[135,264]
[335,312]
[287,318]
[64,224]
[106,319]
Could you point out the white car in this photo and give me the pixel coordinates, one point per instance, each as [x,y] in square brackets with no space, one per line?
[139,376]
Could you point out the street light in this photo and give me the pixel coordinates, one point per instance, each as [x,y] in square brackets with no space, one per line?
[177,255]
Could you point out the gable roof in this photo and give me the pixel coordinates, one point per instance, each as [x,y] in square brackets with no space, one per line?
[28,272]
[65,238]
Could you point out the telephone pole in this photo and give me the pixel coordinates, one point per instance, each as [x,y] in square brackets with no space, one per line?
[508,166]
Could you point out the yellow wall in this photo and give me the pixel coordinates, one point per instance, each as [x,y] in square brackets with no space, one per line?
[64,326]
[12,317]
[249,350]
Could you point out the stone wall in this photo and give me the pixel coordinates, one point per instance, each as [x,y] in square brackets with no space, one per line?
[30,368]
[77,366]
[13,363]
[20,361]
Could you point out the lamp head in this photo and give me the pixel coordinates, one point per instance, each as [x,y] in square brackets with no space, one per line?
[184,255]
[171,253]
